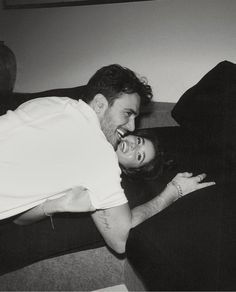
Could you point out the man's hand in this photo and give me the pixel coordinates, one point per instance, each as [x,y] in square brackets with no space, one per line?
[75,200]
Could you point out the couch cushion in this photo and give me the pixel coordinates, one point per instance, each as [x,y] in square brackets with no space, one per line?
[206,105]
[178,249]
[207,113]
[189,245]
[23,245]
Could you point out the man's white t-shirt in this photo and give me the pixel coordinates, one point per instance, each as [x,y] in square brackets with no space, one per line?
[49,145]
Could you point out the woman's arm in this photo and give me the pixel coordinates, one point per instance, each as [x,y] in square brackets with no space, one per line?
[75,200]
[181,185]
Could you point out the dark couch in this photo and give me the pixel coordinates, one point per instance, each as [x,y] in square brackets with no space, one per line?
[191,244]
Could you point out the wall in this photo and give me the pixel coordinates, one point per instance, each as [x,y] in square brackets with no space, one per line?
[171,42]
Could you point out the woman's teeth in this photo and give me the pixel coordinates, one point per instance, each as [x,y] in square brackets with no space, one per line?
[124,146]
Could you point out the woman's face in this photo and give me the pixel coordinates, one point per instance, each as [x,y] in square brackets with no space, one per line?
[134,151]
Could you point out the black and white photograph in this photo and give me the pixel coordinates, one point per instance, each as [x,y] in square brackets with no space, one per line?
[117,145]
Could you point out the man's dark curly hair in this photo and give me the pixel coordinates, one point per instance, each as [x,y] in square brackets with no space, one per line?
[113,80]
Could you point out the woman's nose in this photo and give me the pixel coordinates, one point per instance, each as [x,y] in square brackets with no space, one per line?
[132,145]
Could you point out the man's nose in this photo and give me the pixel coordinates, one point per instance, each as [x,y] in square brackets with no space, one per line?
[131,125]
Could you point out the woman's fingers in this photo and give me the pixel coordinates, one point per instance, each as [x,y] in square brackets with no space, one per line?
[200,177]
[186,174]
[205,184]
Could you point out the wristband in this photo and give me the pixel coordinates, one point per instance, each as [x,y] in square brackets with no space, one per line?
[179,189]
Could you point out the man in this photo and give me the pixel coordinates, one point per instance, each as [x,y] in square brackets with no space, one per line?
[50,146]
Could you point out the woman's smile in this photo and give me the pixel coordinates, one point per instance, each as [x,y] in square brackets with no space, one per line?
[124,146]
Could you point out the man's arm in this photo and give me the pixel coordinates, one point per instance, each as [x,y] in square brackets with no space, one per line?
[115,223]
[35,214]
[74,200]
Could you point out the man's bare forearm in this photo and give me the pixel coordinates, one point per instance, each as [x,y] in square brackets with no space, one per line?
[72,200]
[37,213]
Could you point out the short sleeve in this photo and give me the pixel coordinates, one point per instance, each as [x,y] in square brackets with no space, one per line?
[104,183]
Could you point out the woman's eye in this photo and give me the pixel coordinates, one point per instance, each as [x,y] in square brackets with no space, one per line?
[139,140]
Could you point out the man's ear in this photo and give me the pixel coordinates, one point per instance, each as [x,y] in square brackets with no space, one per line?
[99,104]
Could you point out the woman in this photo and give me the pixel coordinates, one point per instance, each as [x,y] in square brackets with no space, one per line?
[139,155]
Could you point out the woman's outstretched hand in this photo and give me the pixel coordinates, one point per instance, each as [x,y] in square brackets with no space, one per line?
[186,183]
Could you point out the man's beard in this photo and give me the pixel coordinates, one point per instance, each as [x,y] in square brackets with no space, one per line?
[109,130]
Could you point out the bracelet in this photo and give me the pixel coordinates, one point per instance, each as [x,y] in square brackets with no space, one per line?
[48,215]
[179,189]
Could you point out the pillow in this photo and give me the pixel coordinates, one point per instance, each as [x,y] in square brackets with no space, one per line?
[207,111]
[212,99]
